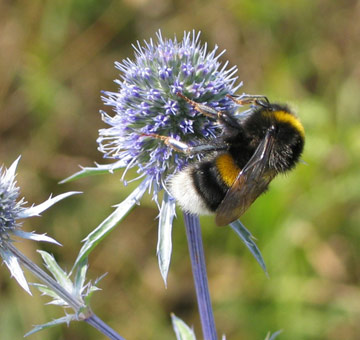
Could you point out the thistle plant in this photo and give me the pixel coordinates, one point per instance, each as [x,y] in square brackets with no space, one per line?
[58,286]
[12,211]
[147,103]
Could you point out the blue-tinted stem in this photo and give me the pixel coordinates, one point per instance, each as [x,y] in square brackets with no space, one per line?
[196,250]
[97,323]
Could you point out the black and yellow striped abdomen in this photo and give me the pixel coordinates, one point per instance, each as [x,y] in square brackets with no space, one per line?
[212,179]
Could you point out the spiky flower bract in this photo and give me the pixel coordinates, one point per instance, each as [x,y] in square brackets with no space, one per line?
[12,210]
[147,103]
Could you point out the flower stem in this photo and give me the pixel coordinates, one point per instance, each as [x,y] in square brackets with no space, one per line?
[84,312]
[97,323]
[196,250]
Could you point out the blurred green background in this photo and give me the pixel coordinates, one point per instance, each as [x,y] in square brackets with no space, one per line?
[56,57]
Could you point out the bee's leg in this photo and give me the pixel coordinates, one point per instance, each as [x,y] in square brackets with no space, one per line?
[204,109]
[246,99]
[185,148]
[222,117]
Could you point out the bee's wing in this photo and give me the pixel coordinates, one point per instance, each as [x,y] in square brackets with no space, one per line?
[251,181]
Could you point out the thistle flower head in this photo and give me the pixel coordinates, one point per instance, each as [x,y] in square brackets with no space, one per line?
[10,206]
[12,210]
[147,103]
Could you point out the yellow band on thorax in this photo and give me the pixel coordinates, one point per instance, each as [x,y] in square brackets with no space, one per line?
[227,168]
[286,117]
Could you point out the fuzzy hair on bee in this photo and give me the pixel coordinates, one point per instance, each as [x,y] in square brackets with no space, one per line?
[241,162]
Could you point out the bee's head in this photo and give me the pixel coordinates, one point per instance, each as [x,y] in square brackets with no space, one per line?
[285,129]
[289,138]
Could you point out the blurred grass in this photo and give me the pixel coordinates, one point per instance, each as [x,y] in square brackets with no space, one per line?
[56,57]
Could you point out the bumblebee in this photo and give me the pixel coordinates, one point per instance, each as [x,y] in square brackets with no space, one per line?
[241,162]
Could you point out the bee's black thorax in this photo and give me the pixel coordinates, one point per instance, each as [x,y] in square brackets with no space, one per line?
[240,147]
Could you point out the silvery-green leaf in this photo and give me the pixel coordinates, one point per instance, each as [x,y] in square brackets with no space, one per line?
[98,170]
[247,238]
[34,237]
[65,319]
[13,264]
[89,294]
[105,227]
[164,245]
[45,290]
[80,276]
[58,302]
[36,210]
[182,330]
[60,276]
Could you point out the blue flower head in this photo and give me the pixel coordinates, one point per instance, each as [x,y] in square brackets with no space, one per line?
[10,206]
[12,210]
[147,103]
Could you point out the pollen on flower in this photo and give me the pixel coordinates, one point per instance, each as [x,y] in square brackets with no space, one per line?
[147,103]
